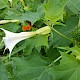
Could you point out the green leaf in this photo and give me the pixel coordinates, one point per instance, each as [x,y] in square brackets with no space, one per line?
[75,51]
[28,73]
[33,4]
[45,76]
[3,72]
[67,70]
[37,41]
[52,53]
[31,67]
[19,47]
[29,16]
[74,6]
[36,59]
[67,30]
[15,3]
[53,10]
[3,4]
[10,26]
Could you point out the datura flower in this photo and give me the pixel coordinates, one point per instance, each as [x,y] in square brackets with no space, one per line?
[7,21]
[11,39]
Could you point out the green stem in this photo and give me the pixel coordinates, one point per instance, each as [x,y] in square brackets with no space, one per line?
[62,35]
[57,59]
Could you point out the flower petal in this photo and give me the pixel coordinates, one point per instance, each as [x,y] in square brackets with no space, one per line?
[11,39]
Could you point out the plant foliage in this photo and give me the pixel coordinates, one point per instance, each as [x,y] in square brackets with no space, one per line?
[53,56]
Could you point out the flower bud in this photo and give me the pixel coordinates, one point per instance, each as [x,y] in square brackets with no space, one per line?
[7,21]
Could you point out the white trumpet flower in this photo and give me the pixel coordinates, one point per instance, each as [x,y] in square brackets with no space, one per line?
[11,39]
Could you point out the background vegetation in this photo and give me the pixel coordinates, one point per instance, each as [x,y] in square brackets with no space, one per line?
[55,56]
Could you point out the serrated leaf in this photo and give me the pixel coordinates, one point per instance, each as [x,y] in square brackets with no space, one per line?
[37,41]
[67,70]
[29,68]
[36,59]
[33,4]
[29,16]
[53,10]
[67,30]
